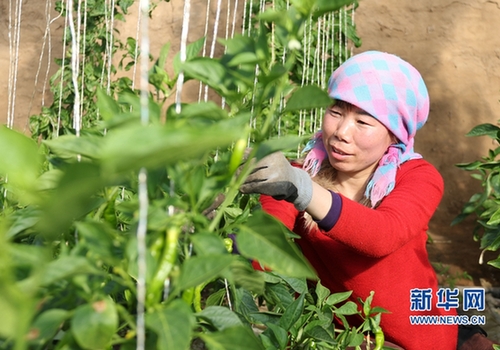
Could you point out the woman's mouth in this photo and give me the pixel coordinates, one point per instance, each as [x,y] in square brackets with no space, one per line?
[339,152]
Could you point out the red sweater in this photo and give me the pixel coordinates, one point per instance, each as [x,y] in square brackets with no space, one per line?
[381,250]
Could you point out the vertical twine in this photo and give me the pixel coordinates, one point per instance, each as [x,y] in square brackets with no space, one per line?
[143,177]
[75,47]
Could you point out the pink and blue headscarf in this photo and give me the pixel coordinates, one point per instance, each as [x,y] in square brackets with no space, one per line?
[392,91]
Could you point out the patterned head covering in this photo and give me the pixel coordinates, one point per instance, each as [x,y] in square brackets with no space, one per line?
[392,91]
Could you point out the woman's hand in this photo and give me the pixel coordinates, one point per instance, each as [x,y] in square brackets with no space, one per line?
[274,176]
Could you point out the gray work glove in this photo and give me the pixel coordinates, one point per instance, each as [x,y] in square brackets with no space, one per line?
[274,176]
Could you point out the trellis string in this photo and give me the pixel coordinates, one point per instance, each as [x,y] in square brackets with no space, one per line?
[142,179]
[40,58]
[75,45]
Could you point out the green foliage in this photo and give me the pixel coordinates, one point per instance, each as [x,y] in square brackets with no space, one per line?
[72,204]
[485,205]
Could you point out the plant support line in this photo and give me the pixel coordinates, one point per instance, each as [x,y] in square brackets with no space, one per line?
[143,189]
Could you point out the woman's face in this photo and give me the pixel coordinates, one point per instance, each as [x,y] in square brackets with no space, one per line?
[354,140]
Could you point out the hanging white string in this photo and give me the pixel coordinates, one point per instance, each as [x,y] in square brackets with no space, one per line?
[15,65]
[59,108]
[323,78]
[341,43]
[11,65]
[282,99]
[223,102]
[75,47]
[40,59]
[253,120]
[49,55]
[234,18]
[243,29]
[106,50]
[345,32]
[182,54]
[84,57]
[353,10]
[204,50]
[214,40]
[136,49]
[332,53]
[143,177]
[110,43]
[180,79]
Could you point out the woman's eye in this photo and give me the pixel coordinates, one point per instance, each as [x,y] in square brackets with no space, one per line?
[362,122]
[334,112]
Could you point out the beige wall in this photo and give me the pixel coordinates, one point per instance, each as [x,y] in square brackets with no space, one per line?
[455,45]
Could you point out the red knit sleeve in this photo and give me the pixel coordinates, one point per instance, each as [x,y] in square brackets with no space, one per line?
[281,210]
[401,216]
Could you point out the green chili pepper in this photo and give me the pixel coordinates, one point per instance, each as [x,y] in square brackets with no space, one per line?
[197,298]
[165,265]
[379,339]
[188,295]
[237,155]
[228,243]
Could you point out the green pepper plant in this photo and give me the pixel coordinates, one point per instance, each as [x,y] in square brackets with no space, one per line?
[71,210]
[485,205]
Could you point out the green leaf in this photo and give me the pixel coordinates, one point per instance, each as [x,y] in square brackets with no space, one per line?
[216,298]
[349,308]
[73,198]
[220,317]
[201,112]
[299,285]
[17,307]
[21,220]
[241,273]
[279,294]
[494,219]
[162,60]
[278,333]
[67,266]
[208,71]
[100,240]
[131,148]
[206,243]
[29,255]
[485,130]
[319,333]
[326,6]
[470,166]
[173,325]
[322,292]
[292,313]
[192,50]
[70,146]
[308,97]
[200,269]
[47,324]
[234,338]
[93,325]
[263,239]
[107,106]
[283,143]
[338,297]
[20,162]
[495,263]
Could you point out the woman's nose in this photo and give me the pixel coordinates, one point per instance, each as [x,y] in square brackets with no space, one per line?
[343,130]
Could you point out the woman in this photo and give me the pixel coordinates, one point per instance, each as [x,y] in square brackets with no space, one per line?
[362,199]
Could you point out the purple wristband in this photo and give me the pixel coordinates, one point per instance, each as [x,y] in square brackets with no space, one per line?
[331,218]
